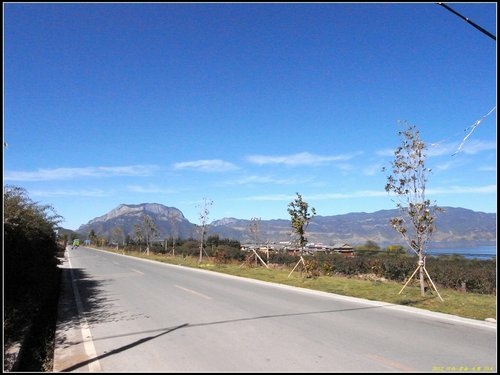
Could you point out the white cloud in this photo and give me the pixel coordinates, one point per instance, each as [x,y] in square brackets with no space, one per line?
[213,165]
[385,152]
[474,146]
[70,193]
[470,146]
[318,197]
[487,189]
[270,197]
[72,173]
[303,158]
[354,194]
[249,180]
[150,189]
[372,170]
[488,168]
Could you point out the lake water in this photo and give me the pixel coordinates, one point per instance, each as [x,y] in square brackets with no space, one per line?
[480,252]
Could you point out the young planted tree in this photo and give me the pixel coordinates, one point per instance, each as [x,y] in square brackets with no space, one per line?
[147,231]
[173,218]
[300,218]
[203,217]
[117,235]
[138,236]
[92,237]
[416,222]
[254,229]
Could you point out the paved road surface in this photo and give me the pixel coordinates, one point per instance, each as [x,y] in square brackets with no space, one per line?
[121,314]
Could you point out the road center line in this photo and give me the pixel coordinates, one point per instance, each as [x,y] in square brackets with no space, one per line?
[192,291]
[390,362]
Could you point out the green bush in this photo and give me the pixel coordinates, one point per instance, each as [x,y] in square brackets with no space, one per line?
[31,276]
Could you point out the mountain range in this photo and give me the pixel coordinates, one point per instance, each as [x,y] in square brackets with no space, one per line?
[454,227]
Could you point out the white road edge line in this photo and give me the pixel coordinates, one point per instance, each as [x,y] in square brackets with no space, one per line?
[408,309]
[88,343]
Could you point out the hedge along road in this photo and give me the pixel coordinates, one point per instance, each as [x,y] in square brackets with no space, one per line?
[124,314]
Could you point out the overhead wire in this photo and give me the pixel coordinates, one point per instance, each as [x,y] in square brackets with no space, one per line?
[473,127]
[469,21]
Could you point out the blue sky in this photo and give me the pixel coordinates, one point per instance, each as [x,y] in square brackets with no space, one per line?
[245,104]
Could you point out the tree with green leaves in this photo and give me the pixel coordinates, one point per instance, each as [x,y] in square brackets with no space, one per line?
[31,274]
[416,222]
[300,216]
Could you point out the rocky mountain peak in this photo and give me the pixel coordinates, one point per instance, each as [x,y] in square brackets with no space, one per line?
[155,209]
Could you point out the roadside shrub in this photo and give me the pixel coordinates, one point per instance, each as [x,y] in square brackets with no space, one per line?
[225,254]
[282,257]
[312,267]
[398,268]
[31,276]
[479,276]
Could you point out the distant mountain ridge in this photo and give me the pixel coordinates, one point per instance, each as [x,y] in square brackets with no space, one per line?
[454,226]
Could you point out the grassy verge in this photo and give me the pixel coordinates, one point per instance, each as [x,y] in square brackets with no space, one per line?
[467,305]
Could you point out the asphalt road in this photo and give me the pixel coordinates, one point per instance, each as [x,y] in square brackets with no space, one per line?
[122,314]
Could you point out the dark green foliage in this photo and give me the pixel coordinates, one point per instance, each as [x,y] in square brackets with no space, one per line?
[369,245]
[226,253]
[300,218]
[397,268]
[479,276]
[30,253]
[282,257]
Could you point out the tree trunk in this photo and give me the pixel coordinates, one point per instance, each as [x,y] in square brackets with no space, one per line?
[421,272]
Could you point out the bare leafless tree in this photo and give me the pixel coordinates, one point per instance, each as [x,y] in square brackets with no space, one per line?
[203,220]
[416,222]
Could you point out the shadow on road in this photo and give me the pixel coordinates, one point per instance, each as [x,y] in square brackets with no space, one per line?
[164,331]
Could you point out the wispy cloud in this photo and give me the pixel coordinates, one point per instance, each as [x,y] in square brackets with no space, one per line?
[266,180]
[318,197]
[269,197]
[385,152]
[372,169]
[150,189]
[72,173]
[354,194]
[214,165]
[488,168]
[471,147]
[302,158]
[487,189]
[474,146]
[95,193]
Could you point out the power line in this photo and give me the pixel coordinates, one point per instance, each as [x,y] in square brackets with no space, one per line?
[469,21]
